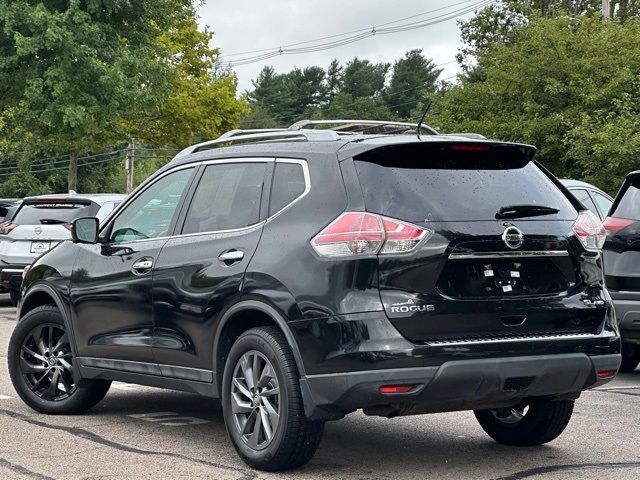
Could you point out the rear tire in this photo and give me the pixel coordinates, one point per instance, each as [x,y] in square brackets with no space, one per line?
[14,297]
[285,439]
[542,422]
[630,357]
[41,366]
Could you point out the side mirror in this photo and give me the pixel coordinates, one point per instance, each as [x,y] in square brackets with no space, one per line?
[85,230]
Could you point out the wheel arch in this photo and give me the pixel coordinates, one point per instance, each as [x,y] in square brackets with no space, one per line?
[241,317]
[40,294]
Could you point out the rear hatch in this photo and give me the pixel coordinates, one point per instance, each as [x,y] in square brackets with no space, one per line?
[499,260]
[39,225]
[622,249]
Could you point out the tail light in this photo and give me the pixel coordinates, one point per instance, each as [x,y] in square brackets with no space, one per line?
[362,233]
[7,227]
[613,224]
[590,231]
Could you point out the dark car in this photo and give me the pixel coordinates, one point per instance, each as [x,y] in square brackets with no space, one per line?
[302,274]
[622,266]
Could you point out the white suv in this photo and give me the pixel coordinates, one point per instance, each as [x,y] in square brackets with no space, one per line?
[40,224]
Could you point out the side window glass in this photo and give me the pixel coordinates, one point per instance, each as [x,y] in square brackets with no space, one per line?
[228,196]
[604,204]
[150,214]
[584,198]
[288,184]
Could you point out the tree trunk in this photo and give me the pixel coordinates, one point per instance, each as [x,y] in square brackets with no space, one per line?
[73,172]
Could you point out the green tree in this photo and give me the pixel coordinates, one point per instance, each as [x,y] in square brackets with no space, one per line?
[362,78]
[68,70]
[414,78]
[568,85]
[344,106]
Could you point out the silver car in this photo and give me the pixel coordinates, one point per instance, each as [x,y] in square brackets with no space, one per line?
[590,196]
[39,224]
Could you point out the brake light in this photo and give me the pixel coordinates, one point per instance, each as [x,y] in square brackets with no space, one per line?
[613,224]
[469,147]
[362,233]
[7,227]
[590,231]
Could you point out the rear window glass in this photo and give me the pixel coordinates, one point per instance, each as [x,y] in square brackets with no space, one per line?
[629,206]
[455,186]
[53,213]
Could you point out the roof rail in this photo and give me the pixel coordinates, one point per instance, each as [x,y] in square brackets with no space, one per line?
[236,132]
[238,137]
[474,136]
[360,126]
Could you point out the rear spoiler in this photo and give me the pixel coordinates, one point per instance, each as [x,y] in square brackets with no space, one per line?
[56,201]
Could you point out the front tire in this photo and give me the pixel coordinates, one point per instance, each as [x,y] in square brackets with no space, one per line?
[41,366]
[535,423]
[14,298]
[630,357]
[262,403]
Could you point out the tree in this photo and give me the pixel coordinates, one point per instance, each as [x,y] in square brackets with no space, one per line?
[568,85]
[362,78]
[335,79]
[69,69]
[414,78]
[344,106]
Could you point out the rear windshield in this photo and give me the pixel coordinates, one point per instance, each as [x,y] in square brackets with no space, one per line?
[629,206]
[455,186]
[53,213]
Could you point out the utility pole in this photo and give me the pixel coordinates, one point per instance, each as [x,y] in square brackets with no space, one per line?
[606,10]
[129,165]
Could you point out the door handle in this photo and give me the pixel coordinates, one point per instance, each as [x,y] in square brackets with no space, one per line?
[231,256]
[142,266]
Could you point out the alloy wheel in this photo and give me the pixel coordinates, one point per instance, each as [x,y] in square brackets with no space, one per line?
[255,400]
[46,362]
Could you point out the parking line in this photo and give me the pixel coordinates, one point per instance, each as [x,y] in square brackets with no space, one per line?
[5,397]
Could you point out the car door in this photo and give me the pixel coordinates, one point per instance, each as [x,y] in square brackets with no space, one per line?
[200,271]
[110,291]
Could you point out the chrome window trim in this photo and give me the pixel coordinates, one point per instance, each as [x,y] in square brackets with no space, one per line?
[305,172]
[522,254]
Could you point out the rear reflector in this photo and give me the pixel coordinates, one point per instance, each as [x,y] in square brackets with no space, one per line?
[602,374]
[589,230]
[396,388]
[613,224]
[362,233]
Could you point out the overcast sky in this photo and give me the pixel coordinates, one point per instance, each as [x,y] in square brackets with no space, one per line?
[244,25]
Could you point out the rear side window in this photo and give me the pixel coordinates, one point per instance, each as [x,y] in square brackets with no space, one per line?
[629,206]
[228,196]
[52,213]
[288,184]
[583,196]
[603,203]
[427,184]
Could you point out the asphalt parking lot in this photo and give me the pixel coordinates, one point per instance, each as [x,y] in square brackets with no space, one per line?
[140,432]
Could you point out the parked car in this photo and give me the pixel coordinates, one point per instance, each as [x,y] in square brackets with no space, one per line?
[8,208]
[596,200]
[38,224]
[302,274]
[622,266]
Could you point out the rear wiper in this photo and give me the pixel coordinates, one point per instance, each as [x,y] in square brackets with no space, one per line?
[51,221]
[519,211]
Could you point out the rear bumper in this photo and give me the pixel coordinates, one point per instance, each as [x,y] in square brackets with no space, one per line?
[455,385]
[11,276]
[627,305]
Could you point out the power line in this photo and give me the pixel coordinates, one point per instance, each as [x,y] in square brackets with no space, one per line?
[381,30]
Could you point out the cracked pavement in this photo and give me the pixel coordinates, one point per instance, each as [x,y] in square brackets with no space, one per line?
[142,432]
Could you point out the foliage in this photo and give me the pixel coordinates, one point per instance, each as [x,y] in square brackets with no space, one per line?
[568,85]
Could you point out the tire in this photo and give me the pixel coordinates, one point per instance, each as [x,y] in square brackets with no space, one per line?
[14,297]
[32,367]
[294,440]
[630,357]
[544,421]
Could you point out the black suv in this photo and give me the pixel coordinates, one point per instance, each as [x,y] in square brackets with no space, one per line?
[622,266]
[302,274]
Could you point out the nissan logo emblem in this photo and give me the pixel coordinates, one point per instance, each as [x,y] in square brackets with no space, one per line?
[38,230]
[512,237]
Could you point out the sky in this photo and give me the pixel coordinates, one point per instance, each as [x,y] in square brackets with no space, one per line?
[247,25]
